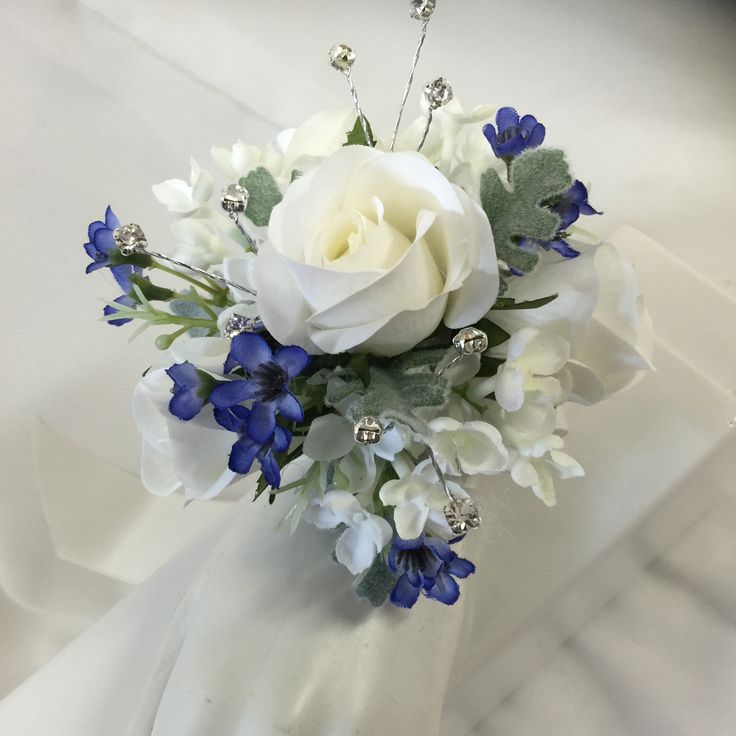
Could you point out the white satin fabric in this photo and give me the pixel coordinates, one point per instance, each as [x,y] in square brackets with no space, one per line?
[155,619]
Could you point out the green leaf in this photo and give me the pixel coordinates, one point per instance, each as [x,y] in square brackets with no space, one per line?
[359,364]
[376,583]
[116,258]
[496,336]
[264,195]
[535,176]
[261,487]
[151,291]
[509,304]
[356,137]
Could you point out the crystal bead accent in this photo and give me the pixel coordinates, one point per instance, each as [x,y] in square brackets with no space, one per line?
[130,239]
[470,341]
[438,93]
[342,57]
[237,324]
[422,9]
[368,431]
[462,515]
[234,198]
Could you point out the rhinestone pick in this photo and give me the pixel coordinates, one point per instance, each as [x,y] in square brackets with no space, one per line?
[368,431]
[234,198]
[130,239]
[438,93]
[422,9]
[237,324]
[342,57]
[470,341]
[462,515]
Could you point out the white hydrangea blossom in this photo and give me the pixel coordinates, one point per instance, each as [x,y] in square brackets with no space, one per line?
[535,366]
[365,536]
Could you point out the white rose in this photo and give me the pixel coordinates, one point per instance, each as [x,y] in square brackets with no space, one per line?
[370,252]
[598,311]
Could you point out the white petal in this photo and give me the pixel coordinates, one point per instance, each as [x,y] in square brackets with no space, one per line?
[410,518]
[358,546]
[330,437]
[510,388]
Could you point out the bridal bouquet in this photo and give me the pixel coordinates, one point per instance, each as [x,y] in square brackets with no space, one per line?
[373,326]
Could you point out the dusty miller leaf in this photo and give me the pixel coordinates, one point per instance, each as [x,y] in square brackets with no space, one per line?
[535,176]
[376,583]
[264,195]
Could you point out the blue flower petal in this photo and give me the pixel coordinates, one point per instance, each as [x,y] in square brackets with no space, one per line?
[570,215]
[506,117]
[234,419]
[270,469]
[92,228]
[577,193]
[225,395]
[262,422]
[527,124]
[250,350]
[184,375]
[94,266]
[242,455]
[281,439]
[292,359]
[460,567]
[400,543]
[103,240]
[122,275]
[489,131]
[565,250]
[108,310]
[92,252]
[536,137]
[404,594]
[185,404]
[288,405]
[111,219]
[587,209]
[440,548]
[445,589]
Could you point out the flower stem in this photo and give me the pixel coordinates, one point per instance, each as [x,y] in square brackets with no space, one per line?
[196,282]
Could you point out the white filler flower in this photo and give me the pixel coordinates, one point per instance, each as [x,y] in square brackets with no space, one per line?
[366,534]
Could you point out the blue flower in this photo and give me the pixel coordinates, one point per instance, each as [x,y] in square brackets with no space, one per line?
[514,134]
[100,248]
[429,566]
[192,388]
[246,449]
[101,241]
[569,207]
[572,204]
[267,383]
[122,275]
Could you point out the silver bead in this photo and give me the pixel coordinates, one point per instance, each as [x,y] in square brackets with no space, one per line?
[368,431]
[237,324]
[470,341]
[421,9]
[234,198]
[342,57]
[462,515]
[130,239]
[438,93]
